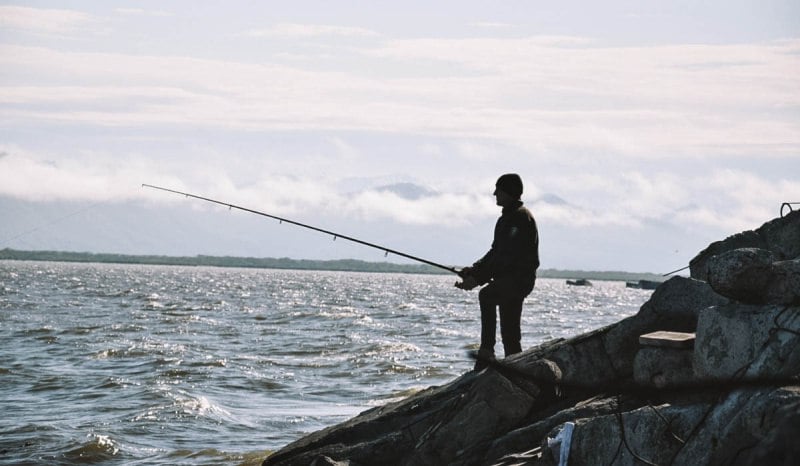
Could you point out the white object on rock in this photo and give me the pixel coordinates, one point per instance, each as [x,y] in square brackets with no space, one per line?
[561,443]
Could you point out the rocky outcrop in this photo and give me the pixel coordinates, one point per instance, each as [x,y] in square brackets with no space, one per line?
[741,341]
[729,394]
[781,236]
[755,276]
[716,429]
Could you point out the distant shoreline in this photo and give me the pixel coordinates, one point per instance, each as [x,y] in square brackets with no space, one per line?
[336,265]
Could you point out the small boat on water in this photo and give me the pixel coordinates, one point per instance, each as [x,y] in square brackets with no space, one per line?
[579,282]
[643,284]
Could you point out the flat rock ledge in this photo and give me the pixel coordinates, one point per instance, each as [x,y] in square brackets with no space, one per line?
[714,381]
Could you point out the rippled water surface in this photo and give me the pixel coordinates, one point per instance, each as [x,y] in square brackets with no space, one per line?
[130,364]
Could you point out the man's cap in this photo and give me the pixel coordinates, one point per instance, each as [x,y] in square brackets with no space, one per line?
[511,184]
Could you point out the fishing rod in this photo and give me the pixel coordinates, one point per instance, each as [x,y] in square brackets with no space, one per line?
[335,235]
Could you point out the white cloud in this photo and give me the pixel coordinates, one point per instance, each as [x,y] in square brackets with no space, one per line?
[471,108]
[451,210]
[143,12]
[722,199]
[491,25]
[747,198]
[533,93]
[90,176]
[296,30]
[44,21]
[49,177]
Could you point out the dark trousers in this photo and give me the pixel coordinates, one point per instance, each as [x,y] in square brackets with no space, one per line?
[507,298]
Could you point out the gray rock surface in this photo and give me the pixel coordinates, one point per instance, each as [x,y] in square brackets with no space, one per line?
[741,274]
[736,422]
[732,399]
[784,284]
[741,340]
[713,430]
[781,236]
[663,367]
[778,444]
[674,306]
[754,276]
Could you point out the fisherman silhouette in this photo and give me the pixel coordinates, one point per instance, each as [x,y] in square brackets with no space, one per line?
[508,270]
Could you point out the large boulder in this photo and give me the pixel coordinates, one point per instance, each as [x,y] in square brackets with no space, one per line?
[382,435]
[784,284]
[530,436]
[727,429]
[753,276]
[744,341]
[736,423]
[698,266]
[663,367]
[781,236]
[778,445]
[674,306]
[493,406]
[444,425]
[582,361]
[741,274]
[627,435]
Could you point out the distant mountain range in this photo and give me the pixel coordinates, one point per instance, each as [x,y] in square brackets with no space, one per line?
[409,191]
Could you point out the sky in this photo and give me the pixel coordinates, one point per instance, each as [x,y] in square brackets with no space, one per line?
[643,131]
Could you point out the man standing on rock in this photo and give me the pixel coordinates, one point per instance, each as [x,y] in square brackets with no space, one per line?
[509,268]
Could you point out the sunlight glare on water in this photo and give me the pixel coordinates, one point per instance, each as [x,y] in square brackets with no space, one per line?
[127,364]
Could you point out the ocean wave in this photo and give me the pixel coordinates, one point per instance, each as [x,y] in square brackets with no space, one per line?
[50,383]
[384,348]
[99,448]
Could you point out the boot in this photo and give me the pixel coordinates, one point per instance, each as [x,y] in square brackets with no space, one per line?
[484,357]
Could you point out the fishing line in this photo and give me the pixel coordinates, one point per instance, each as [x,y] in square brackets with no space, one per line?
[53,222]
[786,206]
[676,271]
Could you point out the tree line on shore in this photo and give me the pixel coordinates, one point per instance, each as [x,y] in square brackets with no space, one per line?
[342,265]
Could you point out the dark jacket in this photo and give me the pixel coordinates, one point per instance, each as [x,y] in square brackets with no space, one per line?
[515,250]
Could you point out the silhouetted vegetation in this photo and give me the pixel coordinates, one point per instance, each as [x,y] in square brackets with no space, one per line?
[348,265]
[219,261]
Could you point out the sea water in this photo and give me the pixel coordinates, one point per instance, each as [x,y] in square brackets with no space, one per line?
[134,364]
